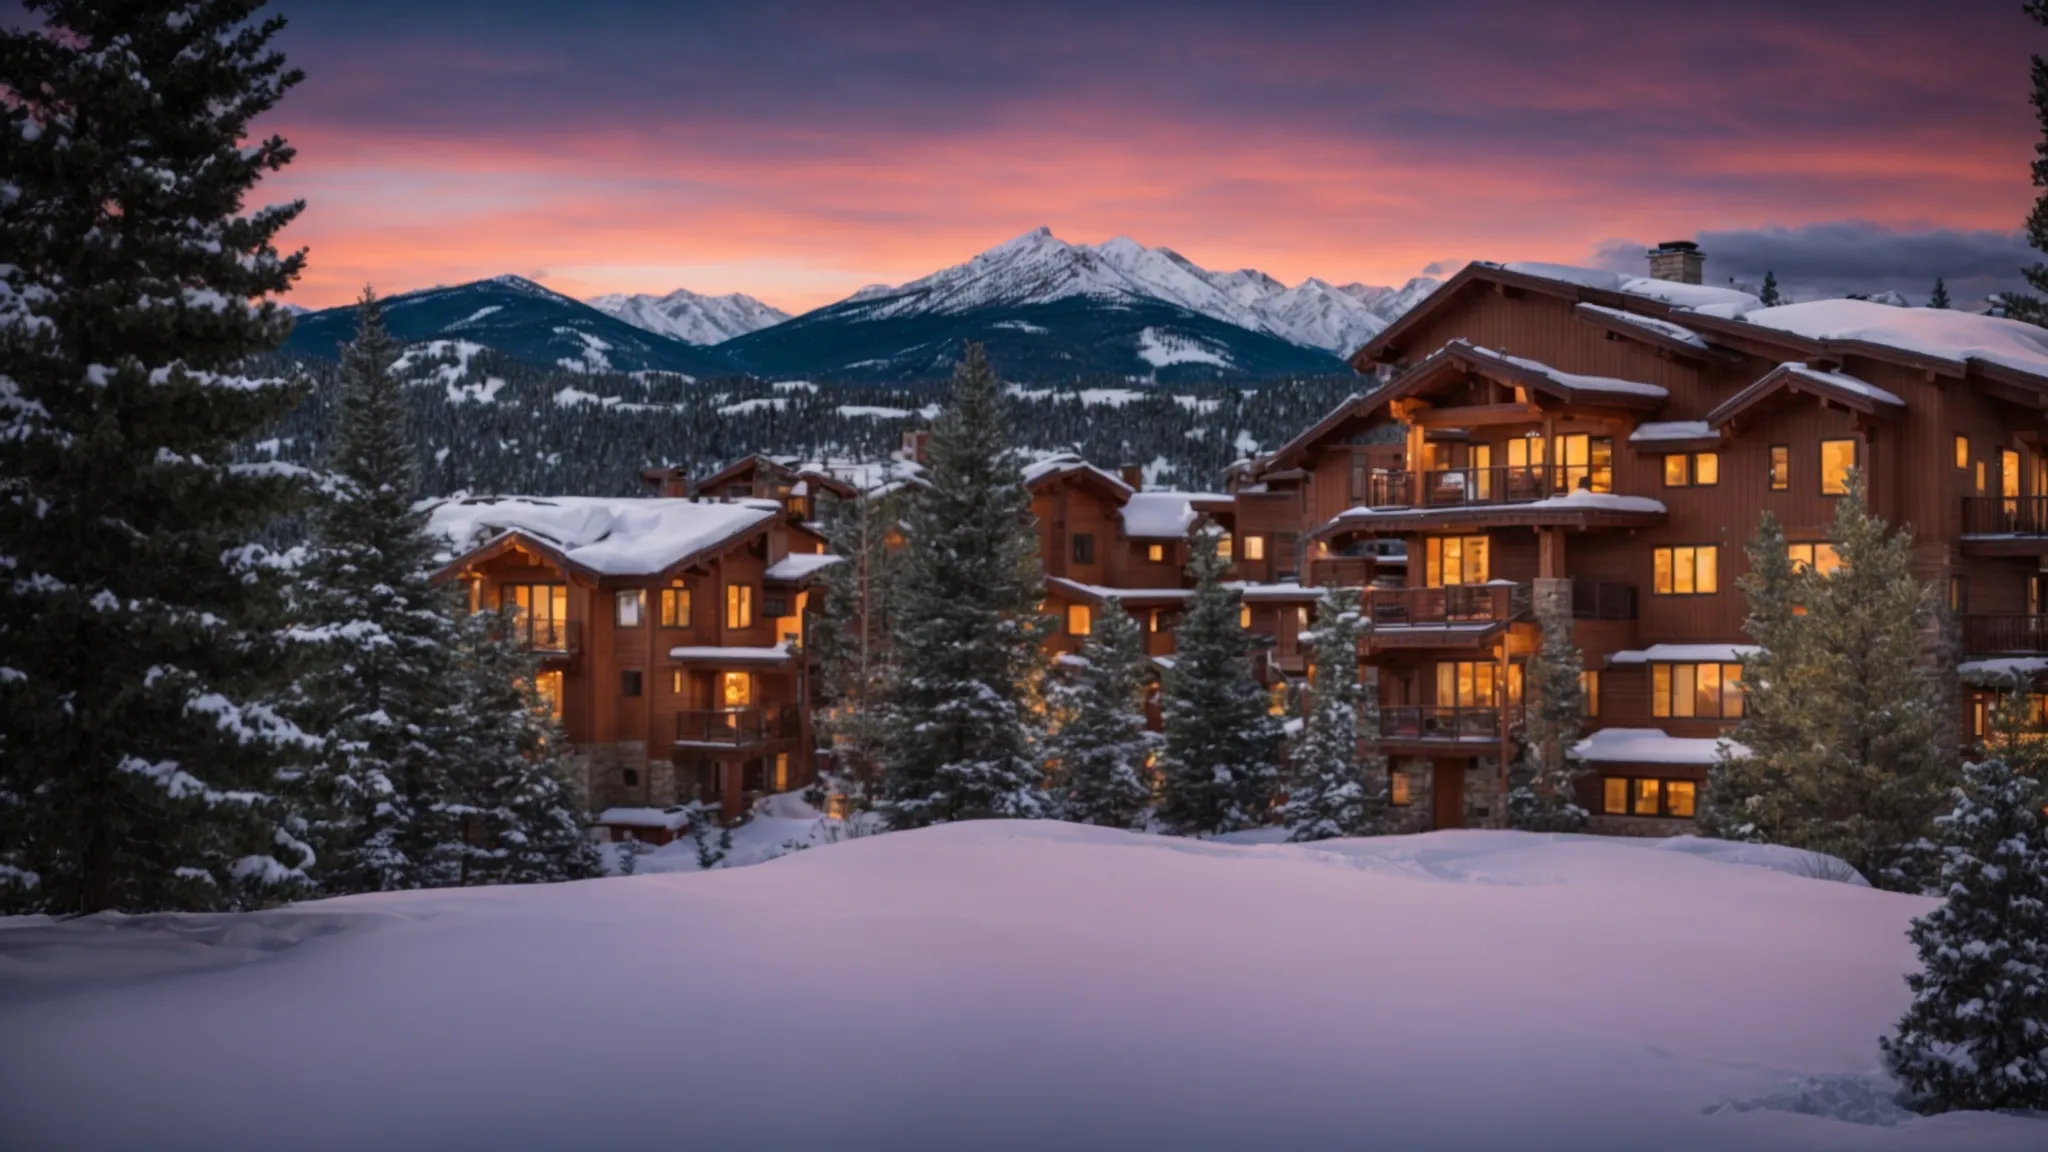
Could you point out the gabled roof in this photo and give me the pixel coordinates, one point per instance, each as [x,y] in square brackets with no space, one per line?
[742,466]
[599,536]
[1065,465]
[1788,380]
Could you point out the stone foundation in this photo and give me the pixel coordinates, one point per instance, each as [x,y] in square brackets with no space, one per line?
[1640,826]
[607,787]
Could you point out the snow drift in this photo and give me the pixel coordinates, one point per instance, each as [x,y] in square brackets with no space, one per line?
[1000,985]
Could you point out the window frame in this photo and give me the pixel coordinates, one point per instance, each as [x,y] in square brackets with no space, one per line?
[1085,615]
[629,602]
[1855,460]
[1958,594]
[1962,452]
[1155,553]
[739,606]
[675,606]
[1631,795]
[632,683]
[1254,547]
[1589,693]
[1779,472]
[1811,561]
[1434,551]
[1666,698]
[1081,547]
[1670,554]
[1688,473]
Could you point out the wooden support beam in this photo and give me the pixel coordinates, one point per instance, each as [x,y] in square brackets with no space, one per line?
[1478,415]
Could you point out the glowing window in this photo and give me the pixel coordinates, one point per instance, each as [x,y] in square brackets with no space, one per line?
[735,689]
[1821,558]
[1646,797]
[739,606]
[1836,458]
[1255,547]
[1589,689]
[1781,467]
[1451,560]
[1962,451]
[1397,788]
[1080,620]
[1244,616]
[1693,570]
[675,606]
[1156,553]
[1614,796]
[1678,797]
[1712,691]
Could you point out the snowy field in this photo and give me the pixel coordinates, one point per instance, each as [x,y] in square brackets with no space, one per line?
[1000,986]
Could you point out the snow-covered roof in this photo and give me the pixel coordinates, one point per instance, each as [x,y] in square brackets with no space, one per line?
[1939,332]
[1099,593]
[800,566]
[1664,328]
[1657,430]
[1579,498]
[1664,291]
[1686,654]
[1843,381]
[712,654]
[1064,463]
[2003,670]
[1285,591]
[612,536]
[1162,515]
[1652,746]
[1572,380]
[670,819]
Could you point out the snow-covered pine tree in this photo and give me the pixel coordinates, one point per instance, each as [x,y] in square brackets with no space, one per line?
[2023,305]
[1219,761]
[513,815]
[1848,748]
[379,638]
[1769,294]
[850,632]
[1333,789]
[1745,794]
[1101,745]
[1976,1035]
[1545,796]
[137,627]
[1939,299]
[959,726]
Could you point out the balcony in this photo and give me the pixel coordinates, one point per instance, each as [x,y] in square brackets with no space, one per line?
[732,727]
[1464,487]
[548,637]
[2005,515]
[1430,723]
[1342,571]
[1603,600]
[1458,616]
[1985,635]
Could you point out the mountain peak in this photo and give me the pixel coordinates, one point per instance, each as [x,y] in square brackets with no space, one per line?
[690,317]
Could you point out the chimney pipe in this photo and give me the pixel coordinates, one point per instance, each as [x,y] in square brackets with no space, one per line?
[1679,261]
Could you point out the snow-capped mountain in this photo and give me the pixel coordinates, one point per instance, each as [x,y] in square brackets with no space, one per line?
[689,317]
[1039,268]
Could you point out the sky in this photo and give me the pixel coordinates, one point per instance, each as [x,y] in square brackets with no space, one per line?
[798,151]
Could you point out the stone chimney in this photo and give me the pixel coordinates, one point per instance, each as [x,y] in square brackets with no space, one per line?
[1679,261]
[1133,475]
[670,482]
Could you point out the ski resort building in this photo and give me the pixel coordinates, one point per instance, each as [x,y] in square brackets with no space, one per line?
[670,633]
[1608,443]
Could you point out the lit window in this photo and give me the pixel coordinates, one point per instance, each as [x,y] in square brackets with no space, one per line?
[1301,617]
[1614,795]
[1980,477]
[1962,451]
[1693,570]
[1255,547]
[549,686]
[1223,549]
[739,606]
[1697,470]
[1675,470]
[1152,620]
[1589,688]
[1080,620]
[1678,797]
[735,689]
[1397,788]
[1276,698]
[1821,558]
[1958,594]
[782,771]
[1244,616]
[2008,474]
[540,614]
[1580,461]
[1467,684]
[1646,797]
[675,682]
[626,607]
[675,606]
[1711,691]
[1781,467]
[1706,469]
[1455,560]
[1836,458]
[1156,553]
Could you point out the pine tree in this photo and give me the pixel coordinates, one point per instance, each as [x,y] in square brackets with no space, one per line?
[1940,297]
[381,639]
[1101,745]
[959,726]
[1746,791]
[1333,789]
[1976,1035]
[1769,295]
[138,630]
[849,632]
[1848,735]
[1218,763]
[509,811]
[1545,797]
[2019,305]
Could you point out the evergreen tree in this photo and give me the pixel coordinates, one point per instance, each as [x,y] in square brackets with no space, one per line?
[1976,1035]
[1218,761]
[1844,719]
[2018,305]
[381,640]
[1545,796]
[1333,790]
[959,726]
[510,813]
[849,631]
[1769,295]
[1940,297]
[1101,745]
[140,753]
[1744,795]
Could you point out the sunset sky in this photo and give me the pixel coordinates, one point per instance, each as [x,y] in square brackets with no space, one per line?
[797,151]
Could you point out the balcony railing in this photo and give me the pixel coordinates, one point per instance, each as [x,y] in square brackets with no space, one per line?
[1459,604]
[547,635]
[1342,571]
[1988,635]
[1460,487]
[2005,515]
[1438,722]
[1603,600]
[736,725]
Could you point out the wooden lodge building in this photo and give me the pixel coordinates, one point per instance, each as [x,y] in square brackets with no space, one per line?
[1543,432]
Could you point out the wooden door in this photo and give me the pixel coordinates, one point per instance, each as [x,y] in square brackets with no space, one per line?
[1447,786]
